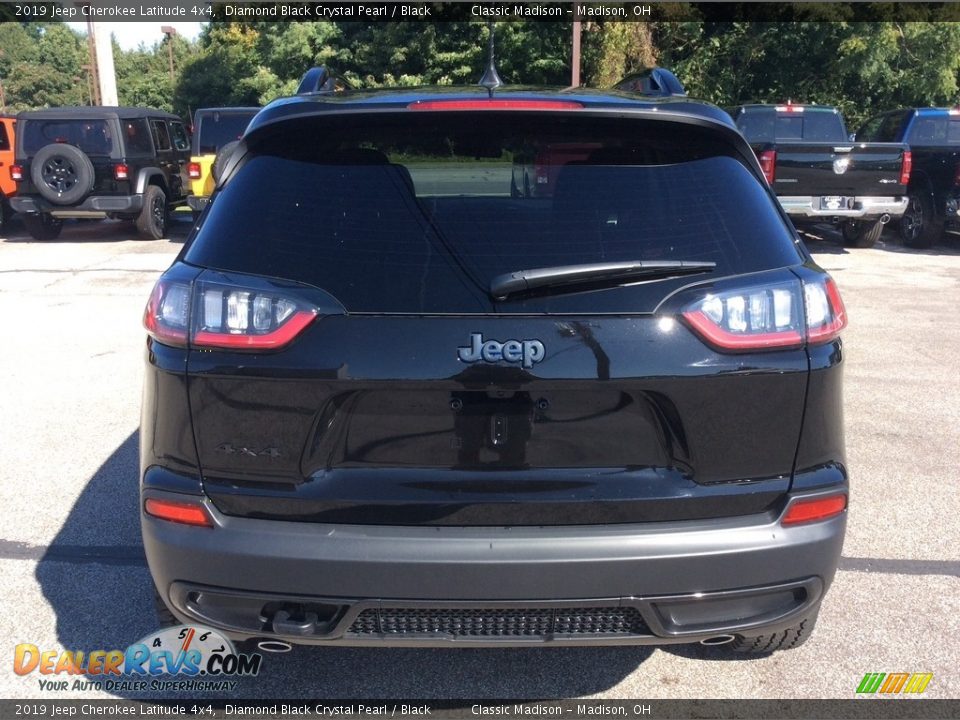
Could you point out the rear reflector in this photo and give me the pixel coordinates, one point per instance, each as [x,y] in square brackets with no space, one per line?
[16,173]
[193,170]
[820,508]
[495,105]
[906,166]
[186,513]
[768,163]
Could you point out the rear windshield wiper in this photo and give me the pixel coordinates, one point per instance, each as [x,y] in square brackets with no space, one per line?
[521,281]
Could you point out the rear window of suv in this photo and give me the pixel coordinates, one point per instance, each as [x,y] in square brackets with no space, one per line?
[419,214]
[217,129]
[94,137]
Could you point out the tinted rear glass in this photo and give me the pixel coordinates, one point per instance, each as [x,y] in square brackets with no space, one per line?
[769,125]
[136,136]
[419,216]
[217,129]
[94,137]
[935,130]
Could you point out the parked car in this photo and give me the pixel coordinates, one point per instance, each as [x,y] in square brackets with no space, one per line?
[934,191]
[388,403]
[83,162]
[819,175]
[215,134]
[8,185]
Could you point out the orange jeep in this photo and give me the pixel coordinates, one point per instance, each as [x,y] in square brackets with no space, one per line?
[8,185]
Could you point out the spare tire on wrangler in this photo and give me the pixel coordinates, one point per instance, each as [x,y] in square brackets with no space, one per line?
[223,156]
[62,173]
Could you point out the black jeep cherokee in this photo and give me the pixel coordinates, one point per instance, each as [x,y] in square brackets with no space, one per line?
[391,400]
[88,162]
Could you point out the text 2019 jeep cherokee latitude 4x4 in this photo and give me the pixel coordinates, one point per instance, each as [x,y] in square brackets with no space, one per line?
[392,399]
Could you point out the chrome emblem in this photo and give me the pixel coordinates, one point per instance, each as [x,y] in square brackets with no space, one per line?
[525,352]
[840,165]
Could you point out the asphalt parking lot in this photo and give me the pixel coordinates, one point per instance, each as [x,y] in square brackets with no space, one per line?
[74,575]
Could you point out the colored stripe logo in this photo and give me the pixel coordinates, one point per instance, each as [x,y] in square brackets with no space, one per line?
[894,683]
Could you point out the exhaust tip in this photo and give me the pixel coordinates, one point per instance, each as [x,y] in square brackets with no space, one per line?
[274,646]
[718,640]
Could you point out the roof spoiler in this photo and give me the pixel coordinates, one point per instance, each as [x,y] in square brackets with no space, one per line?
[321,80]
[656,82]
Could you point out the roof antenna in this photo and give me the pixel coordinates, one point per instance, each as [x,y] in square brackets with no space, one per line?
[490,79]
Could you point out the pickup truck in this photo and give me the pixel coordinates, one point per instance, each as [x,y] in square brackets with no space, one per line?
[819,174]
[934,191]
[8,186]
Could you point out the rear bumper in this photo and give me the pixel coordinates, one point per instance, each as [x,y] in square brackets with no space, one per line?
[197,202]
[95,203]
[863,207]
[681,581]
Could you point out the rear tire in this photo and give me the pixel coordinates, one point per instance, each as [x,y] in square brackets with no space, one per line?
[165,618]
[919,226]
[152,220]
[861,234]
[784,640]
[42,226]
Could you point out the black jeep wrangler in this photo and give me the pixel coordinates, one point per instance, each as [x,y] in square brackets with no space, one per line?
[88,162]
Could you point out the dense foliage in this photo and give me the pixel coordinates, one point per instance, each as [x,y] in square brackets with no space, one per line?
[863,67]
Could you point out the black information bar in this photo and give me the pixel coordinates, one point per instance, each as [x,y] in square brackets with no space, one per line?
[467,10]
[872,708]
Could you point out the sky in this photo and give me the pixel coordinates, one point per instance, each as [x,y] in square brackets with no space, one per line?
[130,34]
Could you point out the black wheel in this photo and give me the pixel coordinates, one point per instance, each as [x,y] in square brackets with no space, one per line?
[784,640]
[919,226]
[42,226]
[165,618]
[62,173]
[220,162]
[861,234]
[152,221]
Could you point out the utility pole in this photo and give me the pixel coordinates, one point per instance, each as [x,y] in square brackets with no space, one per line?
[169,31]
[92,68]
[575,62]
[106,74]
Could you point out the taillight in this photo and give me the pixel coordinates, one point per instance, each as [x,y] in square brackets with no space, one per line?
[768,163]
[193,170]
[215,315]
[120,171]
[167,316]
[495,105]
[956,174]
[16,172]
[779,315]
[246,318]
[179,512]
[826,315]
[906,166]
[812,509]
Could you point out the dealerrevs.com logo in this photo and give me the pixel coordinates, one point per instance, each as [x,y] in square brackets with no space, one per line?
[894,683]
[199,658]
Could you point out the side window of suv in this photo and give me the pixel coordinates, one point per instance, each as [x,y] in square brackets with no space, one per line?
[160,136]
[4,141]
[179,134]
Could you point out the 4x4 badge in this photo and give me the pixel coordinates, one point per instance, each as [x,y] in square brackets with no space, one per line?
[525,352]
